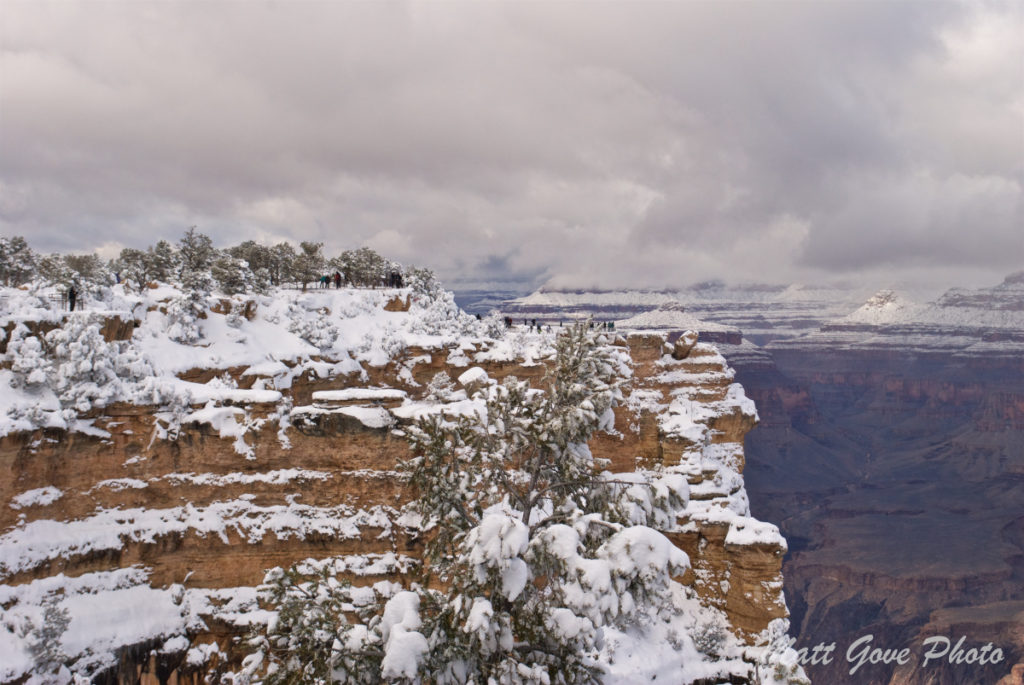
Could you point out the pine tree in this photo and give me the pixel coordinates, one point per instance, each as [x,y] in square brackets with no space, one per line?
[363,267]
[87,269]
[538,548]
[183,319]
[232,274]
[31,366]
[309,639]
[45,639]
[282,263]
[196,250]
[77,364]
[260,261]
[532,548]
[313,326]
[309,264]
[422,281]
[133,265]
[162,262]
[87,371]
[197,255]
[17,261]
[52,268]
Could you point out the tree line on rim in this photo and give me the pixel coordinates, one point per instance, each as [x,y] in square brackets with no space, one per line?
[197,265]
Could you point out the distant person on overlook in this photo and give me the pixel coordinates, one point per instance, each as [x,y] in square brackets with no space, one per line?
[72,296]
[337,279]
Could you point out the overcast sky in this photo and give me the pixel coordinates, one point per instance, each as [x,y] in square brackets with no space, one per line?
[580,144]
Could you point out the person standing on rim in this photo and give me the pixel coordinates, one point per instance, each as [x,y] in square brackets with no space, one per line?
[72,296]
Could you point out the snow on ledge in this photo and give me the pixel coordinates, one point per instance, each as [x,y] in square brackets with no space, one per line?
[744,530]
[474,375]
[39,497]
[371,417]
[354,394]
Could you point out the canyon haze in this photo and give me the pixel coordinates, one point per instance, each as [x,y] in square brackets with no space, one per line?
[890,452]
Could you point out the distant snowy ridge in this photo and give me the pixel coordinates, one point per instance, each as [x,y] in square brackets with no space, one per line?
[760,311]
[962,322]
[885,306]
[672,317]
[1001,306]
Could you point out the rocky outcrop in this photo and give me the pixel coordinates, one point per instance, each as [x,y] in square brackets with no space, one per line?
[199,511]
[739,577]
[889,451]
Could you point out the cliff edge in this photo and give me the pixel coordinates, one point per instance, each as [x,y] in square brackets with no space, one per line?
[161,454]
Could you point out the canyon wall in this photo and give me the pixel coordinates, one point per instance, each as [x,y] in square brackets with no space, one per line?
[137,518]
[898,478]
[890,451]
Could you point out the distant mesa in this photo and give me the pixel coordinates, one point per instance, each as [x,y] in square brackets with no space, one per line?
[884,307]
[1016,278]
[674,319]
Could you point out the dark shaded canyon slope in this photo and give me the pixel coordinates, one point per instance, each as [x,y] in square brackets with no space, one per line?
[898,480]
[890,452]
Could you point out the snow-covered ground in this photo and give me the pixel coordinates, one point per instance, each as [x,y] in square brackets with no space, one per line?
[59,370]
[55,377]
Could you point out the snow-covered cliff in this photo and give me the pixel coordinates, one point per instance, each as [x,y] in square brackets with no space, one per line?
[161,452]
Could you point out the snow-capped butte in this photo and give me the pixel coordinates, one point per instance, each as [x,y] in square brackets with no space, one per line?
[885,306]
[671,317]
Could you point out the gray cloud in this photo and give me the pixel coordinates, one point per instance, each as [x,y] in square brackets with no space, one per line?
[609,144]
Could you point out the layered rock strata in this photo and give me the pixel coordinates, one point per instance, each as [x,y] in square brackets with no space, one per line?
[890,453]
[143,517]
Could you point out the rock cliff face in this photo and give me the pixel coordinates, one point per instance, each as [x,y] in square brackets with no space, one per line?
[142,515]
[905,421]
[890,451]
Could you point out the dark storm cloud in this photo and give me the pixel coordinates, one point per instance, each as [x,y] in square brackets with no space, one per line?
[599,144]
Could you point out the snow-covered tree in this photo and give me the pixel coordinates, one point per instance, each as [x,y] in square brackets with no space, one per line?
[53,269]
[76,364]
[29,363]
[133,265]
[779,664]
[309,640]
[87,269]
[363,267]
[197,255]
[45,639]
[313,326]
[532,548]
[440,388]
[183,318]
[282,263]
[442,315]
[87,370]
[162,261]
[232,274]
[260,260]
[422,281]
[493,325]
[309,263]
[17,261]
[538,547]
